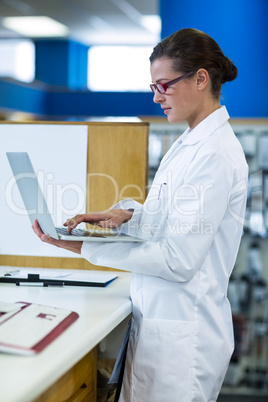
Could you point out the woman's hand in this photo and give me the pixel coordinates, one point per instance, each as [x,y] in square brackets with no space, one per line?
[74,246]
[105,219]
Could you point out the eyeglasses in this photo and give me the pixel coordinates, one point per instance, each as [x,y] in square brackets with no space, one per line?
[161,88]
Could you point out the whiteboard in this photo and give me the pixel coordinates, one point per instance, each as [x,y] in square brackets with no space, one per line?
[59,157]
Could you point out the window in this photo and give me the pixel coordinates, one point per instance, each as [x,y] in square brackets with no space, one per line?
[17,59]
[119,68]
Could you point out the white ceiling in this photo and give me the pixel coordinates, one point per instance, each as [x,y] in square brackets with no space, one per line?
[89,21]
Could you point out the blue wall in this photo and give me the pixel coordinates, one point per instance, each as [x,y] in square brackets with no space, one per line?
[61,67]
[20,97]
[239,26]
[61,63]
[102,104]
[65,104]
[241,29]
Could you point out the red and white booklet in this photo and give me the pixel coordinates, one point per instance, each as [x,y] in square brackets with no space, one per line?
[27,328]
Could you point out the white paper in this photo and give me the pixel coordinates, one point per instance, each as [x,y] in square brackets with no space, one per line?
[7,307]
[31,325]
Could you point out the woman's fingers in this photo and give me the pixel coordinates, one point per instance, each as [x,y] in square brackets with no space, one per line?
[106,219]
[45,238]
[116,218]
[92,218]
[73,222]
[37,230]
[74,246]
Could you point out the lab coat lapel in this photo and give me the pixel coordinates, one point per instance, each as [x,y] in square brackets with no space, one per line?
[200,132]
[170,154]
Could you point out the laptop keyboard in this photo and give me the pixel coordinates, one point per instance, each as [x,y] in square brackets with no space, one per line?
[74,232]
[83,233]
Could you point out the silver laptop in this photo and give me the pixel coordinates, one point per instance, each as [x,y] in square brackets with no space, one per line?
[36,205]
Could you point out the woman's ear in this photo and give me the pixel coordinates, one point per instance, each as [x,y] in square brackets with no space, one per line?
[202,79]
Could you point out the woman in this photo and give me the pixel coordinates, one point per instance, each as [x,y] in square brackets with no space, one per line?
[181,336]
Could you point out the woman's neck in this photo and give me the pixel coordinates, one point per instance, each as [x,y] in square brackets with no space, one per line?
[205,111]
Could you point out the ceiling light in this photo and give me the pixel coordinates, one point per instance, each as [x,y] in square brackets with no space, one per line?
[35,26]
[152,23]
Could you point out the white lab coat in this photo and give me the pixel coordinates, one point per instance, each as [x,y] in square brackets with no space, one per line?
[181,338]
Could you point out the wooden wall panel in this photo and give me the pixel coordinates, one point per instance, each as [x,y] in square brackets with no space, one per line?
[117,164]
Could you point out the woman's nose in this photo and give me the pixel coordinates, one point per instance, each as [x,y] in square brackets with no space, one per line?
[158,97]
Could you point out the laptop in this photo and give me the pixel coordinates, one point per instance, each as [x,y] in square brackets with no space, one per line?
[36,206]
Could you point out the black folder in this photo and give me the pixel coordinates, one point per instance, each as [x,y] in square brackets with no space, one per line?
[89,278]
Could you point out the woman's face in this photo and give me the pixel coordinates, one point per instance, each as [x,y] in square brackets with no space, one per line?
[182,100]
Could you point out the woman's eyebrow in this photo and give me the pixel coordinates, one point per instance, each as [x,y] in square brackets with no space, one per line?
[161,79]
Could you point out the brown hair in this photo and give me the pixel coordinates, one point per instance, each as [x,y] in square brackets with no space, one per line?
[191,49]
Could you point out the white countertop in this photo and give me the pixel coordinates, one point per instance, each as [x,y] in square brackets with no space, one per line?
[100,310]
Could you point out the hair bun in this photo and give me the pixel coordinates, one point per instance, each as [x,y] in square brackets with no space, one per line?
[229,71]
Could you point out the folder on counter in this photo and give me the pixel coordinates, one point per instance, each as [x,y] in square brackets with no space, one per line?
[49,277]
[27,329]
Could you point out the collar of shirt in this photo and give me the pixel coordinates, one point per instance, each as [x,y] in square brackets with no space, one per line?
[201,131]
[205,128]
[183,136]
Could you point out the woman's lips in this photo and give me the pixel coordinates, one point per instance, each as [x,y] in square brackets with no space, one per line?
[166,110]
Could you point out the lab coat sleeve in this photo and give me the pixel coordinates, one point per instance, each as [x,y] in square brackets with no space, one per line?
[130,228]
[194,215]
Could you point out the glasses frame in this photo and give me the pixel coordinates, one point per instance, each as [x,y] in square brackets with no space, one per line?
[162,88]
